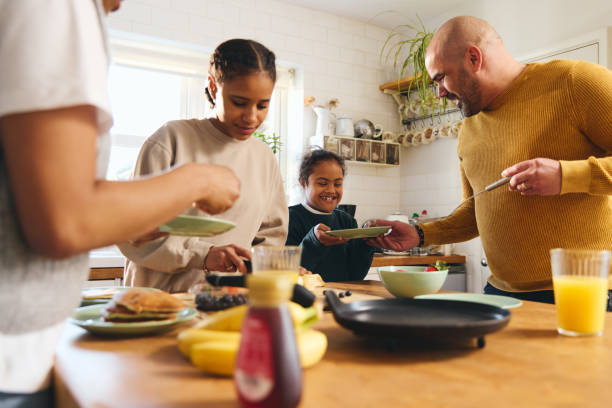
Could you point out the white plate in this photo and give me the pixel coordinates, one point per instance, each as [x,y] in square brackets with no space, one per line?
[90,318]
[505,302]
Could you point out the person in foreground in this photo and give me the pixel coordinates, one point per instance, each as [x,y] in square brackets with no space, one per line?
[548,126]
[242,76]
[54,202]
[335,259]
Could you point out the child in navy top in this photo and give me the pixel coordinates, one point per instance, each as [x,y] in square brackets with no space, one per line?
[335,259]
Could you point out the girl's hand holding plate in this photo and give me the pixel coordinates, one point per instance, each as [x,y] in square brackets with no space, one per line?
[326,239]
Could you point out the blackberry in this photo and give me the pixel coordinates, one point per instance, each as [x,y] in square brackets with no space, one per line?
[209,302]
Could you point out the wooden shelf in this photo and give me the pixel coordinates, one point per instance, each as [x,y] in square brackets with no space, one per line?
[349,148]
[401,85]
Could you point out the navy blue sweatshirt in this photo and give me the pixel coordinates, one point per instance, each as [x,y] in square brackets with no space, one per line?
[336,263]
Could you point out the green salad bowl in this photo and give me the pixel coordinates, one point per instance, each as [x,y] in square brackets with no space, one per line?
[411,281]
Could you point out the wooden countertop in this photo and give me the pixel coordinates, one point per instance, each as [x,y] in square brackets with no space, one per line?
[379,260]
[525,364]
[389,260]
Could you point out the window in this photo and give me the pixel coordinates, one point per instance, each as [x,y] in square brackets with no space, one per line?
[142,100]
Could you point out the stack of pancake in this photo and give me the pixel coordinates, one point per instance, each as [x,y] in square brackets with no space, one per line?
[135,305]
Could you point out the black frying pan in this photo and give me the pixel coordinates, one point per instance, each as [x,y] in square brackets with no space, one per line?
[423,319]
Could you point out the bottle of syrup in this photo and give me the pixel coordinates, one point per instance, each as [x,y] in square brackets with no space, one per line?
[268,373]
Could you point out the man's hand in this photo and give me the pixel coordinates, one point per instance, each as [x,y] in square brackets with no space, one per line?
[221,191]
[326,239]
[535,177]
[227,258]
[401,238]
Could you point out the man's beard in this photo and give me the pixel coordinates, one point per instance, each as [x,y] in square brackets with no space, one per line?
[471,101]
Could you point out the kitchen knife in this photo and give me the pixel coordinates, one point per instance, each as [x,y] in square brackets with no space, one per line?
[490,187]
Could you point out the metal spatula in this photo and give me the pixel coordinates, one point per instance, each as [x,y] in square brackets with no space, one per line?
[490,187]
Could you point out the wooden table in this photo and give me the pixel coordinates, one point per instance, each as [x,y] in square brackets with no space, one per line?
[527,364]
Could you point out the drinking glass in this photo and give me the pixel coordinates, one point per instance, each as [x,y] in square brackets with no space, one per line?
[283,260]
[580,282]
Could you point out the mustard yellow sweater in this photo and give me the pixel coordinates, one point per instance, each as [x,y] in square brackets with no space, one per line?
[560,110]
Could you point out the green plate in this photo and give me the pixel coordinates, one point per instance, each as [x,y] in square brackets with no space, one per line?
[90,318]
[352,233]
[89,302]
[195,226]
[505,302]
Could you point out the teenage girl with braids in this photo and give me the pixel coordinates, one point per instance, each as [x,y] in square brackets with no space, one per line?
[241,79]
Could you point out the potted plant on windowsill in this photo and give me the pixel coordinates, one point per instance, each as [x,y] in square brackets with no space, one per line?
[273,141]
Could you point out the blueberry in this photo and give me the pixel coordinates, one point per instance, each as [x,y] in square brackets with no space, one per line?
[341,294]
[348,293]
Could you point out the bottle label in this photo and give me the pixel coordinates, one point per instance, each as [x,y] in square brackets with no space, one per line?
[254,372]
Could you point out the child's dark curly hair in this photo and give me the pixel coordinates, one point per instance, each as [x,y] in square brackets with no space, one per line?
[239,57]
[314,157]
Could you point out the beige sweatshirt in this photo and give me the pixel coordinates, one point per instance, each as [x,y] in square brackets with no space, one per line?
[175,263]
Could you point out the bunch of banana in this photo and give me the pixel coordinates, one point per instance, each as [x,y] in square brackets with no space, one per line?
[212,345]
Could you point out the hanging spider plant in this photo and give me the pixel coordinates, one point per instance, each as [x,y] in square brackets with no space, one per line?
[406,45]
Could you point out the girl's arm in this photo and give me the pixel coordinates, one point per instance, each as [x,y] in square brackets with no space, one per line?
[313,252]
[64,210]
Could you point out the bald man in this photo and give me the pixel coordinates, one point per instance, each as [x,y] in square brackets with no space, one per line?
[548,126]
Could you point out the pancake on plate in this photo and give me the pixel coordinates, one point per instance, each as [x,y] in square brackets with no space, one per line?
[135,305]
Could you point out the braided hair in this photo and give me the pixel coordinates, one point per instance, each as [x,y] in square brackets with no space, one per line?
[238,57]
[314,157]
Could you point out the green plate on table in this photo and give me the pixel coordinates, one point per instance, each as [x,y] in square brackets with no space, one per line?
[101,290]
[505,302]
[90,318]
[353,233]
[196,226]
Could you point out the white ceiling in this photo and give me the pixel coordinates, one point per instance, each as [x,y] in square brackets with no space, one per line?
[371,11]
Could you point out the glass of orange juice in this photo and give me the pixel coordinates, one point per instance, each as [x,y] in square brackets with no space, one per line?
[580,283]
[277,259]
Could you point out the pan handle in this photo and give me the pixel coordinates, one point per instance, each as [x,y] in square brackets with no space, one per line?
[334,303]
